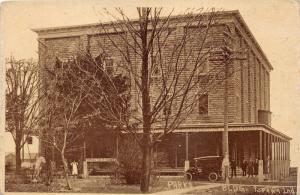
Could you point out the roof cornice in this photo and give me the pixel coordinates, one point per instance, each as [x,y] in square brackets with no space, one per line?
[90,29]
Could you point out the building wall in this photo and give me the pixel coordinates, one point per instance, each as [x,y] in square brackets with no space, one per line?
[253,83]
[248,86]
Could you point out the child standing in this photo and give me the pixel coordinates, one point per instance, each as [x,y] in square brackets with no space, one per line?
[74,165]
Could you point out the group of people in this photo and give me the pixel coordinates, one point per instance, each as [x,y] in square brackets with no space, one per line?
[48,167]
[250,169]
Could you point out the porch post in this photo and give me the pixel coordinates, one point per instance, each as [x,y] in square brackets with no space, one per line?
[268,155]
[187,162]
[288,157]
[265,151]
[270,146]
[280,145]
[273,151]
[85,168]
[285,159]
[288,151]
[271,156]
[260,162]
[280,157]
[117,147]
[276,158]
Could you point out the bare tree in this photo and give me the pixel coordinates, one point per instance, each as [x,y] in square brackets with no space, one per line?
[165,61]
[63,113]
[22,101]
[163,57]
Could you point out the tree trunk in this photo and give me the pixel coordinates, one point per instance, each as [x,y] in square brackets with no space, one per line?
[65,170]
[146,165]
[146,107]
[18,158]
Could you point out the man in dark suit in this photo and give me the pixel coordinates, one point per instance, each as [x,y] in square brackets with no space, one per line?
[256,167]
[233,168]
[244,167]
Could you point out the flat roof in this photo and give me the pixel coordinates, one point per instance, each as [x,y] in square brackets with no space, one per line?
[235,13]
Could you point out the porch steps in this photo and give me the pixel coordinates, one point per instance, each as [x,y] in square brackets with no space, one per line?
[239,171]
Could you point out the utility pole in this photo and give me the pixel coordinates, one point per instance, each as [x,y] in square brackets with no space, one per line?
[227,57]
[229,54]
[225,132]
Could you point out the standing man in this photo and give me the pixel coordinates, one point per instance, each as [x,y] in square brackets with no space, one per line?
[233,168]
[244,167]
[250,169]
[256,167]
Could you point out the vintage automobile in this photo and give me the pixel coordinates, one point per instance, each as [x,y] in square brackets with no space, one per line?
[206,167]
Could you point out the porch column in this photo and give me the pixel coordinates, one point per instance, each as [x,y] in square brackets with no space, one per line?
[280,157]
[260,145]
[268,167]
[85,168]
[260,162]
[281,149]
[285,150]
[272,172]
[117,147]
[288,157]
[270,146]
[186,162]
[285,159]
[265,151]
[276,158]
[288,151]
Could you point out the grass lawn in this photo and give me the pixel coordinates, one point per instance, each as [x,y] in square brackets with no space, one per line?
[90,185]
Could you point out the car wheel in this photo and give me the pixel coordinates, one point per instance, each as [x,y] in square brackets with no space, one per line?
[188,176]
[213,176]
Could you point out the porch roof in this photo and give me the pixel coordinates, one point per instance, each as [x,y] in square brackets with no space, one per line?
[233,127]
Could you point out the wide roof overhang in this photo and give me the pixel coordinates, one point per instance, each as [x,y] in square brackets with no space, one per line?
[194,128]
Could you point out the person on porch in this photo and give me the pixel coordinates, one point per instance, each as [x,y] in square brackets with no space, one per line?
[244,167]
[256,167]
[233,168]
[250,169]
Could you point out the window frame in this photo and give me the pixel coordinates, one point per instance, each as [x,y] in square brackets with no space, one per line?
[112,66]
[202,114]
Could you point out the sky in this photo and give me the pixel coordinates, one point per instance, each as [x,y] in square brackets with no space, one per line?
[274,23]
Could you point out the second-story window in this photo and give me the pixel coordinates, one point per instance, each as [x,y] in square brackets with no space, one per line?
[167,107]
[109,66]
[203,104]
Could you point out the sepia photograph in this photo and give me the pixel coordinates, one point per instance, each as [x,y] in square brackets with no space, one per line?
[157,97]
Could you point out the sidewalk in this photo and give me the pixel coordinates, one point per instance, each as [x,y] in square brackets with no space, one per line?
[205,186]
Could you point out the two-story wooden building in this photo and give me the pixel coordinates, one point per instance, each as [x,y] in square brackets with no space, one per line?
[250,133]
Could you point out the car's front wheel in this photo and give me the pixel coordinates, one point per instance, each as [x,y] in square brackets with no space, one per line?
[188,176]
[213,176]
